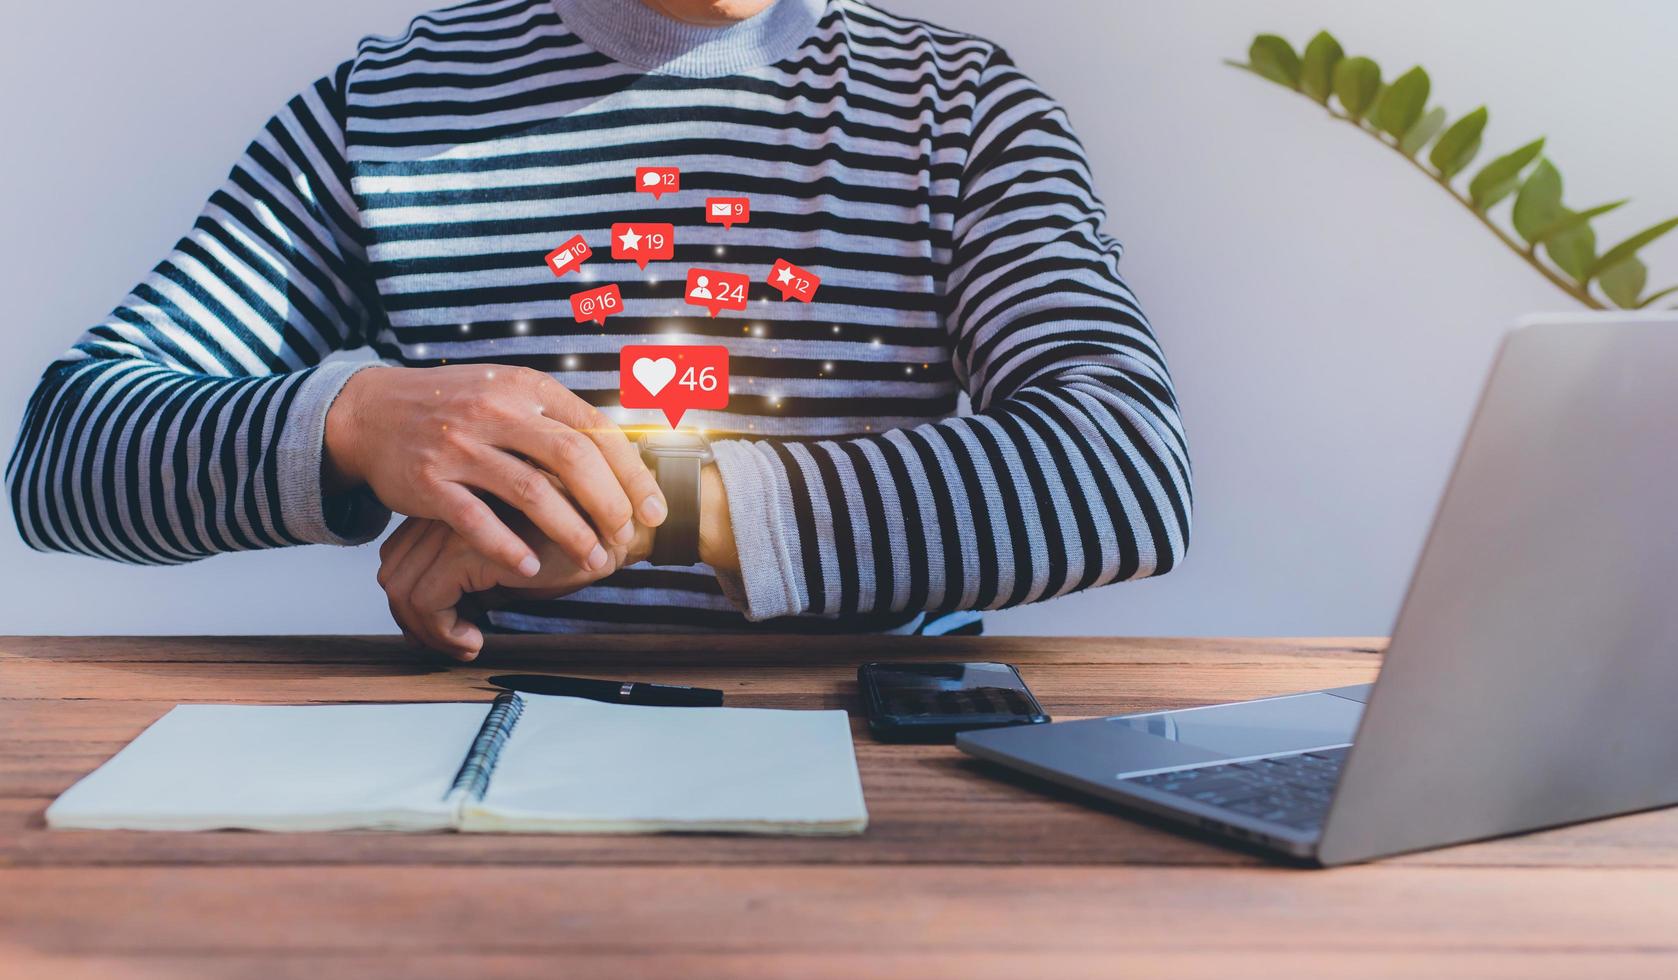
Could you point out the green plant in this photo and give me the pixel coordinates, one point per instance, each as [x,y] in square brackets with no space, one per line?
[1397,115]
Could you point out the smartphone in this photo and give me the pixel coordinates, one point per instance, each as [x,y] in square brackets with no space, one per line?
[931,702]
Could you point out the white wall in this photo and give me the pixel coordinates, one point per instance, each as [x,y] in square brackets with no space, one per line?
[1329,314]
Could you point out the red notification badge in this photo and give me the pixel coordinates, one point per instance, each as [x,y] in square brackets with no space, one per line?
[569,256]
[658,181]
[643,243]
[728,211]
[596,304]
[717,290]
[793,281]
[673,379]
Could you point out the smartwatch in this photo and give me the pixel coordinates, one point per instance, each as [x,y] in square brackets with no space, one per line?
[676,459]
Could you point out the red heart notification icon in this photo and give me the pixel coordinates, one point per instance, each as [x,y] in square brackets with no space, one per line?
[673,378]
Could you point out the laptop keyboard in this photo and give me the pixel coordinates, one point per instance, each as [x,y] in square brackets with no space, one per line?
[1291,790]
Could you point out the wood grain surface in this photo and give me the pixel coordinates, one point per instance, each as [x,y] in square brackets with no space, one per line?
[964,871]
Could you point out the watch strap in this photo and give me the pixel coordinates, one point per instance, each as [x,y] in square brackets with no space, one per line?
[676,541]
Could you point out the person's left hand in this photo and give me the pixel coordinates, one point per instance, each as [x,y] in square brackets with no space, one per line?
[427,570]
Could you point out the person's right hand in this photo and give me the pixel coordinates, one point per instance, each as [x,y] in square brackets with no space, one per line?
[424,439]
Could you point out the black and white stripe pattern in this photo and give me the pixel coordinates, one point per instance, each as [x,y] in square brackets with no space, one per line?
[406,202]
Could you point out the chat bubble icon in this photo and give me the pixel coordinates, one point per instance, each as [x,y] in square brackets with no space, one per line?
[643,243]
[728,211]
[658,181]
[716,290]
[569,256]
[597,304]
[673,379]
[793,281]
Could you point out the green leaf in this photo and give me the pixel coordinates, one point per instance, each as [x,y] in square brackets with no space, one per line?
[1356,83]
[1456,148]
[1538,205]
[1316,77]
[1624,282]
[1569,219]
[1629,247]
[1401,107]
[1274,58]
[1650,299]
[1573,251]
[1498,179]
[1375,105]
[1423,131]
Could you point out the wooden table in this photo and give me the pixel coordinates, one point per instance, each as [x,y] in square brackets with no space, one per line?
[962,872]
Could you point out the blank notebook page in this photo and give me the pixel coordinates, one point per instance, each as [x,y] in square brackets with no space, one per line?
[280,767]
[583,765]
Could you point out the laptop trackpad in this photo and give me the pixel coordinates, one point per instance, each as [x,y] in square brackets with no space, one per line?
[1286,724]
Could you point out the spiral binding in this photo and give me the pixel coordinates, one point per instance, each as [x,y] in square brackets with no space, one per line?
[473,777]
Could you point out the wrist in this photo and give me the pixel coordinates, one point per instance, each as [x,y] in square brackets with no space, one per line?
[341,469]
[716,528]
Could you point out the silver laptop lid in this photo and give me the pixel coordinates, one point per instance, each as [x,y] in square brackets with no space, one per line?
[1533,674]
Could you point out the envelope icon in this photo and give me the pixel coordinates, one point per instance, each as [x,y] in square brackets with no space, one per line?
[721,210]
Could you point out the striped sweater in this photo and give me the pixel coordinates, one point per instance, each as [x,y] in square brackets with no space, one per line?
[405,203]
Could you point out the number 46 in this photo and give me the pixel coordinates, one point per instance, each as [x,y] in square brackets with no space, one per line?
[704,380]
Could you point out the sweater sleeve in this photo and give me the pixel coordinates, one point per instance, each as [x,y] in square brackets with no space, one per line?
[1072,471]
[190,422]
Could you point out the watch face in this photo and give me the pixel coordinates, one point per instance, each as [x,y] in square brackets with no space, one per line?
[675,443]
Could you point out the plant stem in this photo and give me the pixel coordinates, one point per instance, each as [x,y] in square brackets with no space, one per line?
[1529,255]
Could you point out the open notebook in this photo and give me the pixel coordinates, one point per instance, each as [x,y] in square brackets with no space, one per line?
[524,763]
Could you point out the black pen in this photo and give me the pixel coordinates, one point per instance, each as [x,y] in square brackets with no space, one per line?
[613,692]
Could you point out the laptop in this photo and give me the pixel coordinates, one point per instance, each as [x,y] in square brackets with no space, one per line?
[1532,677]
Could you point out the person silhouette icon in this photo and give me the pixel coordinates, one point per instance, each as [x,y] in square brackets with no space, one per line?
[701,289]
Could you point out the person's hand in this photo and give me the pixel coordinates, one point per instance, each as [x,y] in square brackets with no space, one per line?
[428,572]
[424,439]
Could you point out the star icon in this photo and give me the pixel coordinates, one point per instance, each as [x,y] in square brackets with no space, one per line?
[785,275]
[631,241]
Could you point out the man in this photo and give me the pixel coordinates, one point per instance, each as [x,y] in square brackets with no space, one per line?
[405,203]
